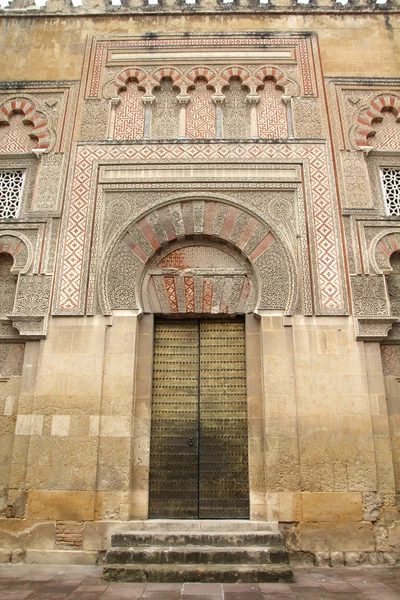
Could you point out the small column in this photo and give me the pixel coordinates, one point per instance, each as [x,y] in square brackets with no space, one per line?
[111,119]
[183,100]
[253,99]
[218,98]
[287,100]
[147,100]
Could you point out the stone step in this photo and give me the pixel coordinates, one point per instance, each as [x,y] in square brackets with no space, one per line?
[197,555]
[216,573]
[197,538]
[231,525]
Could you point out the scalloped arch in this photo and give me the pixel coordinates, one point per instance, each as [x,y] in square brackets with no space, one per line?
[27,107]
[124,76]
[171,72]
[19,247]
[381,249]
[364,129]
[279,77]
[235,71]
[209,74]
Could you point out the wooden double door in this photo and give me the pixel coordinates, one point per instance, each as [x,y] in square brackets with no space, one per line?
[199,439]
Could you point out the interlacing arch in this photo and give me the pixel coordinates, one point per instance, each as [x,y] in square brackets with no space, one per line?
[32,116]
[131,74]
[365,130]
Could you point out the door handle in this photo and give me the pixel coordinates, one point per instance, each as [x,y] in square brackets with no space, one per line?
[190,442]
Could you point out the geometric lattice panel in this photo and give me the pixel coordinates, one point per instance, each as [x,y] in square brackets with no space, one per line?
[11,183]
[391,188]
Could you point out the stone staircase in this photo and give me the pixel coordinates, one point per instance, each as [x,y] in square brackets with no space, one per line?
[198,551]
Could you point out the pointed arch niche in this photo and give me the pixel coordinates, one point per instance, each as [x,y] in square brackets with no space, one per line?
[198,256]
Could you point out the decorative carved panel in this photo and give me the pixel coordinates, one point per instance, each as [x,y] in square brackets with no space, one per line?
[165,112]
[129,117]
[271,113]
[200,115]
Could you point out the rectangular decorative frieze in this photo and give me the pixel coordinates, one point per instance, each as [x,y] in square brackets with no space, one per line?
[71,284]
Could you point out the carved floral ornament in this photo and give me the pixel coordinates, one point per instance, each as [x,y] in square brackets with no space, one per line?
[37,126]
[364,131]
[148,262]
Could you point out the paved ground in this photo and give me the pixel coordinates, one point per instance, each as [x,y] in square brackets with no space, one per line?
[37,582]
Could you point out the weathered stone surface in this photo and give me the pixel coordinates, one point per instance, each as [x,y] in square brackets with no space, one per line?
[205,556]
[327,537]
[334,506]
[373,503]
[61,505]
[354,559]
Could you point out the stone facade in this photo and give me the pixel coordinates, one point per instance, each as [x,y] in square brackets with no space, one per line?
[202,174]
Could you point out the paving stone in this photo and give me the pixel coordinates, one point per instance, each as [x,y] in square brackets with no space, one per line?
[84,596]
[275,588]
[92,587]
[160,587]
[239,595]
[16,594]
[198,589]
[278,596]
[339,587]
[43,596]
[161,595]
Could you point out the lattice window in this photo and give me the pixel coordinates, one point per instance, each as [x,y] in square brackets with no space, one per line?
[391,190]
[11,184]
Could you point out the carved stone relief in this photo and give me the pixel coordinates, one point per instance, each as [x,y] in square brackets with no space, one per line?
[369,295]
[236,111]
[307,118]
[33,295]
[8,284]
[122,277]
[94,120]
[274,276]
[129,114]
[357,191]
[48,194]
[271,113]
[165,112]
[393,285]
[200,113]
